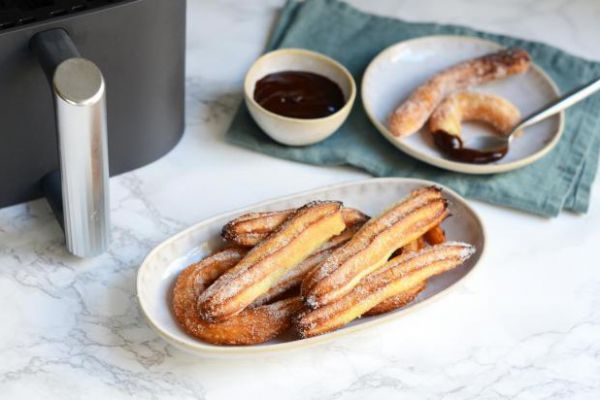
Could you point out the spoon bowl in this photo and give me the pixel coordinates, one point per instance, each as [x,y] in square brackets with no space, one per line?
[501,143]
[491,143]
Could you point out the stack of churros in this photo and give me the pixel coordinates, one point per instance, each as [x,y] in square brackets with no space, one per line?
[315,268]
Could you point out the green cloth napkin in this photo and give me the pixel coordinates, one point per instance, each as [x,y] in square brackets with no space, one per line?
[561,180]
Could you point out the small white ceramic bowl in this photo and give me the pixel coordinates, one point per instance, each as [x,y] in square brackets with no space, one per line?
[297,131]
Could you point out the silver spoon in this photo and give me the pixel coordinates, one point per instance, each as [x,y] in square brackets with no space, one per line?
[501,142]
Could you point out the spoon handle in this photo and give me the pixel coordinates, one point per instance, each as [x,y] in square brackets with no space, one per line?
[556,106]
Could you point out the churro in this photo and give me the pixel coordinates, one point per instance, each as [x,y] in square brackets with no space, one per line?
[399,275]
[373,244]
[300,235]
[412,114]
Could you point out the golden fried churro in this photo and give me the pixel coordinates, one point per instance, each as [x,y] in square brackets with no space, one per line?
[432,237]
[373,244]
[306,230]
[494,110]
[397,301]
[412,114]
[397,276]
[435,235]
[295,276]
[249,229]
[415,245]
[249,327]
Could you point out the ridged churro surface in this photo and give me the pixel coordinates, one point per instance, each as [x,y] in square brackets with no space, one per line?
[302,233]
[397,301]
[253,326]
[249,229]
[373,244]
[412,114]
[460,107]
[296,275]
[399,275]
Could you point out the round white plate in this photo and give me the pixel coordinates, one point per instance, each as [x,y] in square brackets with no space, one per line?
[401,68]
[160,268]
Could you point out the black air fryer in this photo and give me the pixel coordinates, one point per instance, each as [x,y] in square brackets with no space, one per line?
[87,88]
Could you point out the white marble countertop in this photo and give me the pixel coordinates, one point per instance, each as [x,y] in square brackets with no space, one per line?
[526,326]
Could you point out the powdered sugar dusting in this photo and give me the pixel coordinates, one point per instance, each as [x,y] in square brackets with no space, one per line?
[376,286]
[412,114]
[429,255]
[340,268]
[259,264]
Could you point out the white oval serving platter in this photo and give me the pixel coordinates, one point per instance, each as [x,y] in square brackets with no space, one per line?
[159,270]
[398,70]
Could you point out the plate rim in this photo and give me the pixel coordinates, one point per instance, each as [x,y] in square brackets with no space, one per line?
[467,168]
[202,349]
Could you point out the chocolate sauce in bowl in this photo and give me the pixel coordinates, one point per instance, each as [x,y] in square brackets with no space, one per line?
[452,147]
[299,94]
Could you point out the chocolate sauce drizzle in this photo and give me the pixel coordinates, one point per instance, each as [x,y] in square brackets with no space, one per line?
[452,147]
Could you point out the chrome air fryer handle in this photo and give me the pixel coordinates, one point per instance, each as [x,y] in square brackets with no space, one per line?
[82,202]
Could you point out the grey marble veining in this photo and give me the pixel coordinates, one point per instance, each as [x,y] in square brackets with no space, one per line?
[526,326]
